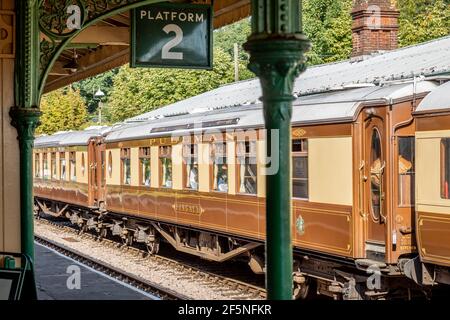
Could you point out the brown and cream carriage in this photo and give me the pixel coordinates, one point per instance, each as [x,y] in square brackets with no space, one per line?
[193,174]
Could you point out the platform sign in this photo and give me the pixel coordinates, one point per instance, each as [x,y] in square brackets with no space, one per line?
[172,35]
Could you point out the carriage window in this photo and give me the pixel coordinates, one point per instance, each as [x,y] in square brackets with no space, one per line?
[126,170]
[445,168]
[376,175]
[165,160]
[144,156]
[53,164]
[37,167]
[45,166]
[406,171]
[190,159]
[220,166]
[83,165]
[247,167]
[300,168]
[72,166]
[62,165]
[110,164]
[102,159]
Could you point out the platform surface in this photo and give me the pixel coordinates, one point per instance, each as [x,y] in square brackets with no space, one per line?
[52,279]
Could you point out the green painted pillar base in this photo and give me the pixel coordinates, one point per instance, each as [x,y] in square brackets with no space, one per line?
[277,61]
[26,120]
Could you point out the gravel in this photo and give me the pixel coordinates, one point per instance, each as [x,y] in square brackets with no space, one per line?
[152,270]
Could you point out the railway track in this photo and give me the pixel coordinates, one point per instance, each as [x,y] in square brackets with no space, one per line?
[219,279]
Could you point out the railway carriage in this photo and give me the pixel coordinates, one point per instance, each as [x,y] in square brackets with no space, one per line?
[432,221]
[65,172]
[196,180]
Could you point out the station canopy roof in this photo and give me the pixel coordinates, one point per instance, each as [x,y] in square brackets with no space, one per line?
[105,45]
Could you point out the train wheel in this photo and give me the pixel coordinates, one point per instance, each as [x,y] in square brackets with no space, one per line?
[127,240]
[36,212]
[83,228]
[102,233]
[153,246]
[305,290]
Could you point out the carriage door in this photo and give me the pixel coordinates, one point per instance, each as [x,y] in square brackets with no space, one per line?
[92,173]
[375,187]
[101,173]
[96,172]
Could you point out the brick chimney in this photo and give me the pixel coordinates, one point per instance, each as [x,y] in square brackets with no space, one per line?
[375,26]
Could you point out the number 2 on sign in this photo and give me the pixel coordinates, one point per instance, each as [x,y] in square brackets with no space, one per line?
[166,54]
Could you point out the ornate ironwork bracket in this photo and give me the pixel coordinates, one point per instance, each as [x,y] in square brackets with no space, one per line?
[61,20]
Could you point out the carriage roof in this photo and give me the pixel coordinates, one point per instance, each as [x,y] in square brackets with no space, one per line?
[326,93]
[335,106]
[70,138]
[437,100]
[429,59]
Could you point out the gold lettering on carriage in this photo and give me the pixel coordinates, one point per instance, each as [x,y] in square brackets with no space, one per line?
[188,208]
[164,141]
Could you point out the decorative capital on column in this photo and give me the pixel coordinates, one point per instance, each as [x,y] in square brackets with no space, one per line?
[277,61]
[25,120]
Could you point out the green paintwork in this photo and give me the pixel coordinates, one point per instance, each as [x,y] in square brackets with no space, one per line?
[148,36]
[52,22]
[9,262]
[25,117]
[26,120]
[276,48]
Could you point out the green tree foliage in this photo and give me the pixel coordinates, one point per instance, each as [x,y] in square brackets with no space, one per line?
[328,23]
[227,36]
[140,90]
[423,20]
[88,87]
[62,109]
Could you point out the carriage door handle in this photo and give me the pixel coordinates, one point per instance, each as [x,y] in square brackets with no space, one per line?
[381,195]
[362,179]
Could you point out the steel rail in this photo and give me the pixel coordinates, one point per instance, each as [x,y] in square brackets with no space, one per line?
[254,290]
[121,275]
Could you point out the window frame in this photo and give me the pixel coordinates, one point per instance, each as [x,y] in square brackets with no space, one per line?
[125,155]
[190,158]
[53,166]
[110,164]
[61,159]
[83,165]
[248,153]
[37,165]
[304,153]
[45,174]
[223,154]
[399,204]
[143,155]
[165,155]
[444,168]
[72,166]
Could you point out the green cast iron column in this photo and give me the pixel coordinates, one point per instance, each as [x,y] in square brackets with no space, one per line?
[25,116]
[276,48]
[26,120]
